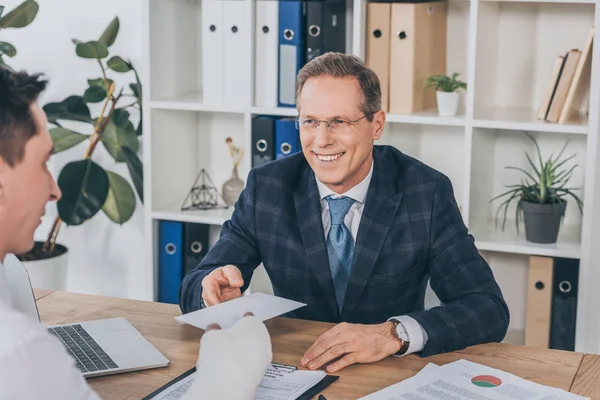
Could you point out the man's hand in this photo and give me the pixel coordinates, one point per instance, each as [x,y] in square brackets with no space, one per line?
[354,343]
[221,285]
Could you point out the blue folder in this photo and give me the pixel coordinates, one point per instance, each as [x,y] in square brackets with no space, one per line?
[292,49]
[170,263]
[287,140]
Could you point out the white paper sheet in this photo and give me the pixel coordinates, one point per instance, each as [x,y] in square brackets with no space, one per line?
[279,383]
[467,380]
[263,306]
[427,368]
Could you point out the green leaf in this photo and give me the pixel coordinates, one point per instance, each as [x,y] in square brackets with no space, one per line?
[84,185]
[110,34]
[100,82]
[94,94]
[73,108]
[21,16]
[8,49]
[120,202]
[136,170]
[139,131]
[117,64]
[120,118]
[135,88]
[93,49]
[116,137]
[64,139]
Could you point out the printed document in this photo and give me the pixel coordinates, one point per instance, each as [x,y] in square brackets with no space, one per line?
[280,382]
[468,380]
[263,306]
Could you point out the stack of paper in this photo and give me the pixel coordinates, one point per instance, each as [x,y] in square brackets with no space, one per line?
[468,380]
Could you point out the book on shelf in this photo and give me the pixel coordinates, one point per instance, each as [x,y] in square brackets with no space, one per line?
[564,83]
[551,89]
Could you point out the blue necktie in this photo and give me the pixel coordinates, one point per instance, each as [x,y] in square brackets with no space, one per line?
[340,246]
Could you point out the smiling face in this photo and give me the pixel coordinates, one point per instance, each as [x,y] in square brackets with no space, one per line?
[25,188]
[340,157]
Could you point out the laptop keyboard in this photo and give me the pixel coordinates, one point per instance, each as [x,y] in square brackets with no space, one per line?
[88,354]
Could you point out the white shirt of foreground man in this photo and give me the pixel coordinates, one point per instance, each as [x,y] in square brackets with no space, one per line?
[35,365]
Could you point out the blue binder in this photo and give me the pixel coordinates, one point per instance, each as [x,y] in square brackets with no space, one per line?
[292,49]
[287,139]
[170,262]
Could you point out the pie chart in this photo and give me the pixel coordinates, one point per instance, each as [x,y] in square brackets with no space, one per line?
[486,381]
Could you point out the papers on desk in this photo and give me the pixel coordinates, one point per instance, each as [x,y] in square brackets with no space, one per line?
[262,305]
[467,380]
[280,382]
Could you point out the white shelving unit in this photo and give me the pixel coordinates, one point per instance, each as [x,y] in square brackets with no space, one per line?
[505,51]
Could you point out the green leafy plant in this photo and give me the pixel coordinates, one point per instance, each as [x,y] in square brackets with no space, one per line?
[87,187]
[444,83]
[20,17]
[547,183]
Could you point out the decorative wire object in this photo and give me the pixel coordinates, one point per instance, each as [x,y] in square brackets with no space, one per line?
[203,196]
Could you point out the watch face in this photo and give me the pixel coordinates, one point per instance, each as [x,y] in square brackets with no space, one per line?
[402,333]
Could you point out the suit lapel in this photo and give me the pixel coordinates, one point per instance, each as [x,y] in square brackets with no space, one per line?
[381,205]
[308,214]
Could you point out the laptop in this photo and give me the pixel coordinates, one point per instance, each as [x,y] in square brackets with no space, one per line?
[100,347]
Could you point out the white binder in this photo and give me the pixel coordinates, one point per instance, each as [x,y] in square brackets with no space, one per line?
[212,52]
[236,87]
[265,56]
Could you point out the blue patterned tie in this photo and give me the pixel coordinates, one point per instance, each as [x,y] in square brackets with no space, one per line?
[340,246]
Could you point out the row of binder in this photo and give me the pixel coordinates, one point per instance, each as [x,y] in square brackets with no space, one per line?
[405,44]
[289,34]
[273,138]
[181,248]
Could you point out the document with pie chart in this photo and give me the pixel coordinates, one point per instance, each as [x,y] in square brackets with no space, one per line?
[464,379]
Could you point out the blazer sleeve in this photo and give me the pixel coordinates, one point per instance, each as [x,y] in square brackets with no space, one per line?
[474,309]
[237,245]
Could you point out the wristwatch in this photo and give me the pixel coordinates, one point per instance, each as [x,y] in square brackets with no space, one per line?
[402,334]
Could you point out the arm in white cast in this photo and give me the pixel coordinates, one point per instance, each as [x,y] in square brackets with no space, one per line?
[232,362]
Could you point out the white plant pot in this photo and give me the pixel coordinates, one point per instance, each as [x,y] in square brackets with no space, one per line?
[50,273]
[447,103]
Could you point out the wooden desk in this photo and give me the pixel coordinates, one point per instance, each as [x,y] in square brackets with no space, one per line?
[180,343]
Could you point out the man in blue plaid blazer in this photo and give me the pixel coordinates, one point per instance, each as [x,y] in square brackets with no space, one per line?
[355,231]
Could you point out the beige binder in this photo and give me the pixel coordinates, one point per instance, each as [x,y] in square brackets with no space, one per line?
[417,51]
[564,83]
[539,301]
[581,81]
[378,46]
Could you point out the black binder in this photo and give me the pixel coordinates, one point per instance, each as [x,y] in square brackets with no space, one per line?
[326,27]
[196,243]
[263,140]
[563,316]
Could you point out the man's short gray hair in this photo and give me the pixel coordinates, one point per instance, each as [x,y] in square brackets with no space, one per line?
[342,65]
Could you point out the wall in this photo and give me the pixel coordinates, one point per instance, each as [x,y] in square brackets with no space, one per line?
[104,258]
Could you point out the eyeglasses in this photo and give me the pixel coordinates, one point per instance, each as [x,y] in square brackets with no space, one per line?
[336,125]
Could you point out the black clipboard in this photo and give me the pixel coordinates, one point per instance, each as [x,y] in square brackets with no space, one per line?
[309,394]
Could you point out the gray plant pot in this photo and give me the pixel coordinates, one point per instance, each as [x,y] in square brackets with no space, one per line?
[542,221]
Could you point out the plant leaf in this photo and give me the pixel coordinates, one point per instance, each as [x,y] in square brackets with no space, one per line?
[523,171]
[120,202]
[8,49]
[72,108]
[110,34]
[120,118]
[136,170]
[116,137]
[21,16]
[93,49]
[117,64]
[64,139]
[94,94]
[135,88]
[100,82]
[84,186]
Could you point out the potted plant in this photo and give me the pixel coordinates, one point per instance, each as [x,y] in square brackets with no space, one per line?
[88,188]
[541,196]
[447,92]
[19,17]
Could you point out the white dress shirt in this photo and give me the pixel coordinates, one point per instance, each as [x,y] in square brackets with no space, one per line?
[33,363]
[416,333]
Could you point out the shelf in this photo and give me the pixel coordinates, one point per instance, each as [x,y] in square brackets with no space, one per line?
[525,119]
[279,111]
[427,118]
[541,1]
[210,217]
[191,102]
[488,238]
